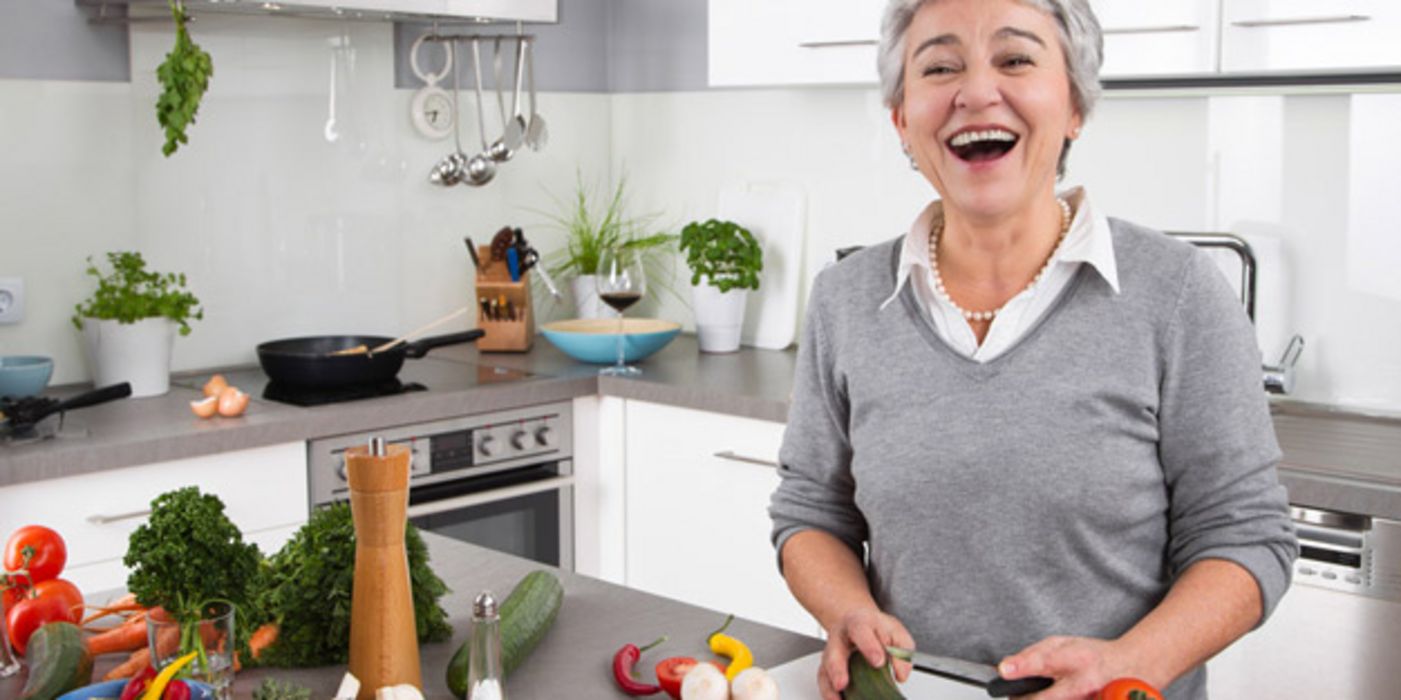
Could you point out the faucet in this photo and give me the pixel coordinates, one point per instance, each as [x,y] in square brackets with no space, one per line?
[1279,378]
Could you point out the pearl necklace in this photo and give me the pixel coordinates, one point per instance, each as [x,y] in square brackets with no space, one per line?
[938,230]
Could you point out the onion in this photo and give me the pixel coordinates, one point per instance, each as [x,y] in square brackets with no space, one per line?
[754,683]
[705,682]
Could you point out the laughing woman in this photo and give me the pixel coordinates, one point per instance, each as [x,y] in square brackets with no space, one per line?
[1023,433]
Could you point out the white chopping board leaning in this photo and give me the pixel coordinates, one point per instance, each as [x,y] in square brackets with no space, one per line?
[775,213]
[797,680]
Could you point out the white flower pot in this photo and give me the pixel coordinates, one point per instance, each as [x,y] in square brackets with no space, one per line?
[719,317]
[138,353]
[587,303]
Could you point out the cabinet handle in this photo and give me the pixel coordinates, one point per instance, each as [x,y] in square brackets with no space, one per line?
[109,519]
[491,496]
[732,456]
[1158,29]
[829,43]
[1332,19]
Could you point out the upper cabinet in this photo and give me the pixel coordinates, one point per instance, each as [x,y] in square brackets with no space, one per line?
[409,10]
[1306,36]
[833,42]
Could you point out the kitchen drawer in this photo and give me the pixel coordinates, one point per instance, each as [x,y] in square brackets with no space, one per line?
[262,489]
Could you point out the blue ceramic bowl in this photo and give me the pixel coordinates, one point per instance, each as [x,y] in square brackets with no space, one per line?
[113,689]
[595,339]
[24,375]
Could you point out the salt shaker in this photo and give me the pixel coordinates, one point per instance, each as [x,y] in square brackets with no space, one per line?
[484,666]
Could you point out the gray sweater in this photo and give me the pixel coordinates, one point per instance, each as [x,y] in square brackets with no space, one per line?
[1058,489]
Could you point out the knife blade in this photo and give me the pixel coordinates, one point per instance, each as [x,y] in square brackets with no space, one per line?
[972,673]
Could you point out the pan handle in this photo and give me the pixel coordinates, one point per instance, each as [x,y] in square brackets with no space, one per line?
[420,347]
[97,396]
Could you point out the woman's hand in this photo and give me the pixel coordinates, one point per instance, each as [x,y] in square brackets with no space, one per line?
[1079,665]
[866,629]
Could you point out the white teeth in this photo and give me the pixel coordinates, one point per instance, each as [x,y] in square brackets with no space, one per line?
[968,137]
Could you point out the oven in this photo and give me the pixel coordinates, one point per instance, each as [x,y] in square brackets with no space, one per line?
[502,480]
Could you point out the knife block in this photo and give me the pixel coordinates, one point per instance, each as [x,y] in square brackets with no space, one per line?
[383,636]
[515,333]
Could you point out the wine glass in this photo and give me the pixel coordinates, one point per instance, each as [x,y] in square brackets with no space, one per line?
[621,283]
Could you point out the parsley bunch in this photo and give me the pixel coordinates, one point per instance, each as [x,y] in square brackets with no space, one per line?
[723,251]
[185,76]
[188,554]
[132,293]
[309,586]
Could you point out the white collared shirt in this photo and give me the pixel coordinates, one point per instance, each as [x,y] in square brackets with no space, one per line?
[1089,241]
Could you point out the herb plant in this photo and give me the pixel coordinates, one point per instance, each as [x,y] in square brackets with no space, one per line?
[589,232]
[132,293]
[309,586]
[723,252]
[188,555]
[184,75]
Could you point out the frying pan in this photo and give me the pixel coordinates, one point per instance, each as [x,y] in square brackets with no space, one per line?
[309,361]
[23,416]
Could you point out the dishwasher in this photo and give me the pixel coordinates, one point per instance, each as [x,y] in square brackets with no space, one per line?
[1336,634]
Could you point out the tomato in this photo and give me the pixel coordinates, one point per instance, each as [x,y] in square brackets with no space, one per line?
[29,615]
[66,593]
[1128,689]
[671,671]
[49,552]
[12,596]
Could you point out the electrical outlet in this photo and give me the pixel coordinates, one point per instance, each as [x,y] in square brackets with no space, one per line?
[11,299]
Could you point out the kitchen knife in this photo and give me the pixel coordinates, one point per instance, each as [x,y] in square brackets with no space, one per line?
[981,675]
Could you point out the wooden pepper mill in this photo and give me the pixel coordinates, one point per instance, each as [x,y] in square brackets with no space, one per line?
[383,640]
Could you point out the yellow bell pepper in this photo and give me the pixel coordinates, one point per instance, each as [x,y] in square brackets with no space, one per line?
[725,645]
[167,674]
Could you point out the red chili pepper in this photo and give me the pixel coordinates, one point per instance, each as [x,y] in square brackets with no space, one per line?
[137,685]
[177,690]
[623,661]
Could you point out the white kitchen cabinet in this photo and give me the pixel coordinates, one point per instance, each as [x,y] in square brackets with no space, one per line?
[697,522]
[793,42]
[1158,38]
[1306,36]
[264,491]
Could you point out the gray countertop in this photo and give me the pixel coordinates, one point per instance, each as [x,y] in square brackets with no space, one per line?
[1333,457]
[574,659]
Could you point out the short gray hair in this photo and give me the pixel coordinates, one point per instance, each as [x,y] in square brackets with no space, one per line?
[1081,41]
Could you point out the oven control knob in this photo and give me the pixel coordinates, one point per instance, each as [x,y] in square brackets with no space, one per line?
[518,439]
[544,436]
[487,446]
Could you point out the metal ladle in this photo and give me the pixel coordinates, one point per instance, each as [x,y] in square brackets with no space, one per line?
[480,169]
[452,168]
[500,150]
[536,135]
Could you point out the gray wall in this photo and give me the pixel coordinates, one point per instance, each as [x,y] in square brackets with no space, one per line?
[597,46]
[52,40]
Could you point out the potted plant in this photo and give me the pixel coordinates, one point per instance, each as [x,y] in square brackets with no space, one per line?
[589,232]
[129,323]
[725,261]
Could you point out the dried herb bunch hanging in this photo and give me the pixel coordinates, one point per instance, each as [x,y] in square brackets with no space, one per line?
[184,75]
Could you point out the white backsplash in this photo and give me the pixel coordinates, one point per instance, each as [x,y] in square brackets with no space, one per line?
[283,233]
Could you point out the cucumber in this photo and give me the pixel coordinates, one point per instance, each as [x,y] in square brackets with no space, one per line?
[526,616]
[866,682]
[58,662]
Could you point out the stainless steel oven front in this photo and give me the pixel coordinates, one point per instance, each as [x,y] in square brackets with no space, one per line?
[502,480]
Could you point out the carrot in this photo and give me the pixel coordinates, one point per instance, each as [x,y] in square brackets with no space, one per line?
[167,641]
[262,638]
[129,636]
[126,603]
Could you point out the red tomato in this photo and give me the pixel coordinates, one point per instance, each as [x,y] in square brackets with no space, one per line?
[66,593]
[1128,689]
[671,671]
[29,615]
[49,552]
[12,596]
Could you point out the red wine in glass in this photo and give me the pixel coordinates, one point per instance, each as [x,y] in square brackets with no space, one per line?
[620,301]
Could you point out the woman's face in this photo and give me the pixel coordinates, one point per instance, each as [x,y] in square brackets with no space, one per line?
[987,102]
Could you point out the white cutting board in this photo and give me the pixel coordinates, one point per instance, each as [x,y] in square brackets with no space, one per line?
[774,213]
[797,680]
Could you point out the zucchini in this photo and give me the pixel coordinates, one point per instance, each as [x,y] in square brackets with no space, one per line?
[526,616]
[58,662]
[866,682]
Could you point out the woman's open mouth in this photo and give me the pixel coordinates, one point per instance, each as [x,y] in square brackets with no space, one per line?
[979,145]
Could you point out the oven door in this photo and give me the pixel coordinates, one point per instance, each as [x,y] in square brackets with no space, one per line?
[526,512]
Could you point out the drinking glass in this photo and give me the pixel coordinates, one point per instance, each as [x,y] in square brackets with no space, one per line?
[212,636]
[9,666]
[621,283]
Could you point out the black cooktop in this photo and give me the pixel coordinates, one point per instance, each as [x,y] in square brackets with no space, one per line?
[318,396]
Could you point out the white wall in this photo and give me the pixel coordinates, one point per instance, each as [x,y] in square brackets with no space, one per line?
[1309,180]
[280,232]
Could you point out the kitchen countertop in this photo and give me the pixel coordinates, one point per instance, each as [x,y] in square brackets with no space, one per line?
[573,660]
[1333,458]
